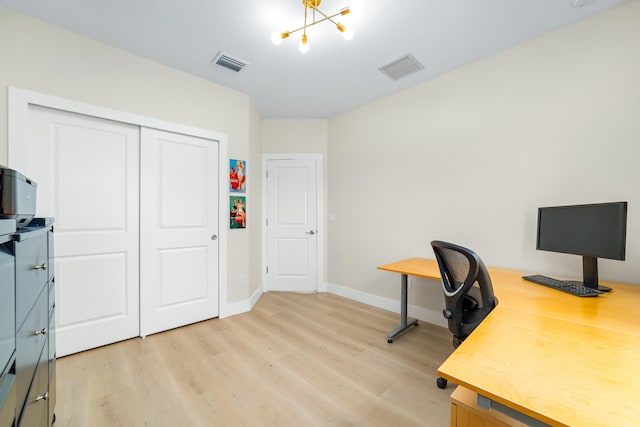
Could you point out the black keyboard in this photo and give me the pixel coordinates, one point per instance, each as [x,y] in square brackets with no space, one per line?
[570,288]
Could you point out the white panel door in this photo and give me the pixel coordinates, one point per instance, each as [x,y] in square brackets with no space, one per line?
[87,174]
[178,230]
[292,231]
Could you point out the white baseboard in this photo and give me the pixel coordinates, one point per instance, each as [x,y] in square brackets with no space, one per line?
[234,308]
[417,312]
[256,296]
[243,306]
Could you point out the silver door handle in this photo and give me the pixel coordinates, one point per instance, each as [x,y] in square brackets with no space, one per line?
[42,266]
[44,396]
[310,232]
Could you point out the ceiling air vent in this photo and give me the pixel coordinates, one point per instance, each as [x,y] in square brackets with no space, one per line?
[401,67]
[229,62]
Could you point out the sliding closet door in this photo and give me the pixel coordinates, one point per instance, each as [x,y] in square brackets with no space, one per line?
[178,230]
[87,174]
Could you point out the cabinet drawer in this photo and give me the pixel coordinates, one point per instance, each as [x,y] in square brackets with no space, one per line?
[7,400]
[36,407]
[30,340]
[32,264]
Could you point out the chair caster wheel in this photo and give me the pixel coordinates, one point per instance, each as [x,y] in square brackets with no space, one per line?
[390,341]
[442,383]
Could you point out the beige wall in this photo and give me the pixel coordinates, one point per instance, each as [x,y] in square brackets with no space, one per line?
[40,57]
[254,198]
[468,157]
[295,136]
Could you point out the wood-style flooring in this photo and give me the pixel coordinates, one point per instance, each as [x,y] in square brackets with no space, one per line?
[294,360]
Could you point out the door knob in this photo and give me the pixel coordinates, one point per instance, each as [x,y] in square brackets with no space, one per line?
[214,237]
[310,232]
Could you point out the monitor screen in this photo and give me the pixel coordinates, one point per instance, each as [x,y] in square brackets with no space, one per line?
[596,230]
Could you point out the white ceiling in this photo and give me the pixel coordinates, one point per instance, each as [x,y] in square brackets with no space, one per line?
[335,75]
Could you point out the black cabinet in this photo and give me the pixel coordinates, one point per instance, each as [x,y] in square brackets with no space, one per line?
[35,325]
[36,408]
[7,325]
[32,265]
[31,339]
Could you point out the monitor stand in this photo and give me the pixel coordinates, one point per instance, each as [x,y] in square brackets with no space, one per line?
[590,274]
[601,288]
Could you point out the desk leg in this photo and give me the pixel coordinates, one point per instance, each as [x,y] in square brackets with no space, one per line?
[405,322]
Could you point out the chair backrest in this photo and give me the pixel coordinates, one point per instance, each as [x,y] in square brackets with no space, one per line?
[468,293]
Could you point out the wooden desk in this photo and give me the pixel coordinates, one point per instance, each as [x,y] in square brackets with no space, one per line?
[419,267]
[558,358]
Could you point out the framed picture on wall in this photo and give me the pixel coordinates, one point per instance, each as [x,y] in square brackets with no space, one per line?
[237,212]
[237,176]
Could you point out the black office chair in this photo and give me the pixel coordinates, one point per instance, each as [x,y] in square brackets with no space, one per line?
[468,293]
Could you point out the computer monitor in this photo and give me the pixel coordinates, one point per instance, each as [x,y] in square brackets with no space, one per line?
[592,231]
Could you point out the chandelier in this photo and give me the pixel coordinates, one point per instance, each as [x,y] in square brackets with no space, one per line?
[310,19]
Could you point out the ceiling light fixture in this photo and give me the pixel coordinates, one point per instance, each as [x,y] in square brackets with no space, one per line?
[310,8]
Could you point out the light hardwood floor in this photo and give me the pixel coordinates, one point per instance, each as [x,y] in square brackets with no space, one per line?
[294,360]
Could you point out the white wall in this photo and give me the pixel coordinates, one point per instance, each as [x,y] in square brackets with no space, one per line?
[47,59]
[469,156]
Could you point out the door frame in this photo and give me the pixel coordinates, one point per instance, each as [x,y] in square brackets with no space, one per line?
[322,225]
[18,108]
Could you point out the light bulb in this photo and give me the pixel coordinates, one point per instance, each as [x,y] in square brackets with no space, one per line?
[304,45]
[276,38]
[347,33]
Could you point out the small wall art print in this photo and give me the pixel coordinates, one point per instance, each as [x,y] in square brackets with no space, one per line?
[238,212]
[237,176]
